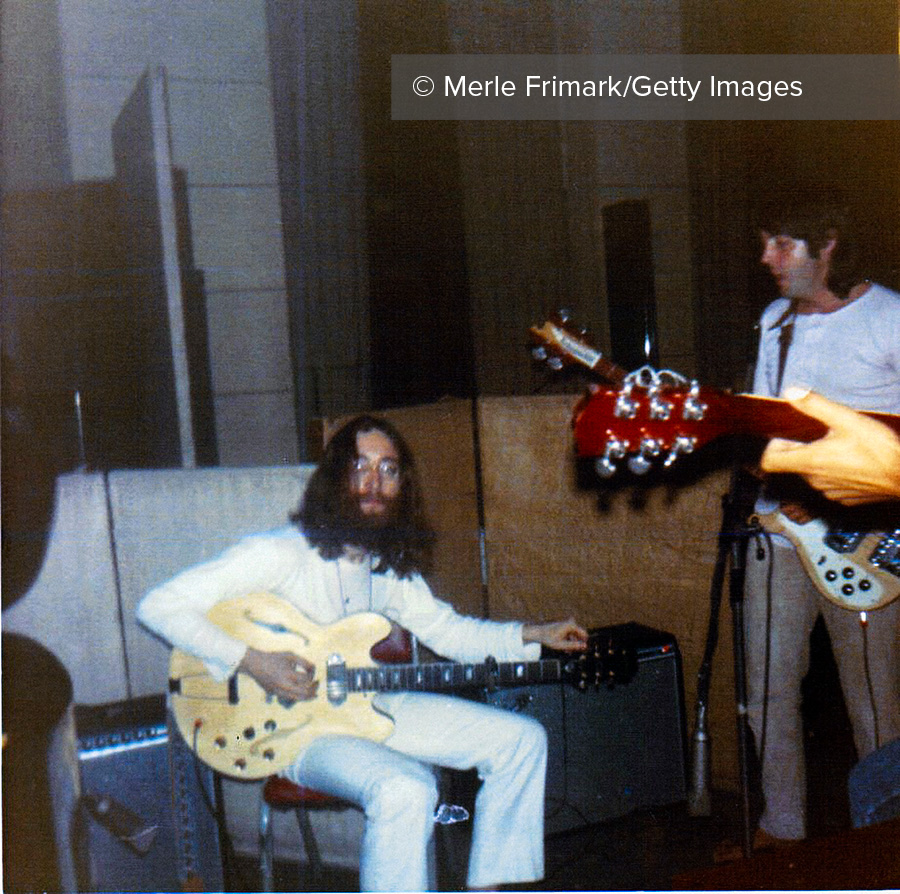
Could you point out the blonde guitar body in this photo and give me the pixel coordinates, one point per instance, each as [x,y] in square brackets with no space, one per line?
[238,729]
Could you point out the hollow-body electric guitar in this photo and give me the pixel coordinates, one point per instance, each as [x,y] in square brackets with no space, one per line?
[243,732]
[650,415]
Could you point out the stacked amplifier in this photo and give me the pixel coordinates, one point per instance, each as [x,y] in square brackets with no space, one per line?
[148,818]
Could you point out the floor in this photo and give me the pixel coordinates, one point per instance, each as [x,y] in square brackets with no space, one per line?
[647,850]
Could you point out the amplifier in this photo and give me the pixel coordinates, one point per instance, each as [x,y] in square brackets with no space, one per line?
[618,747]
[148,817]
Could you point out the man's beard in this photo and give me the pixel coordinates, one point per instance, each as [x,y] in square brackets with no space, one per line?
[370,531]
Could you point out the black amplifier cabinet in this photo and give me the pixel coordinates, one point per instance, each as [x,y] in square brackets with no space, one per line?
[619,747]
[147,817]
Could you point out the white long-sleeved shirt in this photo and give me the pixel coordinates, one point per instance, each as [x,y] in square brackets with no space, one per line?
[284,564]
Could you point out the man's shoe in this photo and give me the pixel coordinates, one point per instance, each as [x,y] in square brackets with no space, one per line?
[729,851]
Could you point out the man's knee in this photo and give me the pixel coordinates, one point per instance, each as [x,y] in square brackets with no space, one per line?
[401,793]
[522,738]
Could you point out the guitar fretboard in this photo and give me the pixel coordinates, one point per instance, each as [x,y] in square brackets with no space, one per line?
[437,676]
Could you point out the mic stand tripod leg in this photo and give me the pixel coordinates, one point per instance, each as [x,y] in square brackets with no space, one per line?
[740,538]
[699,800]
[734,536]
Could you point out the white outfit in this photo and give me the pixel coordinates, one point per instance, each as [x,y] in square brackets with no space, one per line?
[390,781]
[853,356]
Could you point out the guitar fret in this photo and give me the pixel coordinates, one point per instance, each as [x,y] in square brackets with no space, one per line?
[441,675]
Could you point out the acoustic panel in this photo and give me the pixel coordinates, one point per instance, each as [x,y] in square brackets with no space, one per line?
[148,808]
[616,748]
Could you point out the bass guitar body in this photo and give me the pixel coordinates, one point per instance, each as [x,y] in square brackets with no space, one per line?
[855,570]
[240,730]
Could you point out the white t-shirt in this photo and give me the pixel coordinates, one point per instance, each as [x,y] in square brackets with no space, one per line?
[851,355]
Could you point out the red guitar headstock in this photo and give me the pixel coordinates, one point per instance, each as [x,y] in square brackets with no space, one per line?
[660,415]
[560,343]
[652,416]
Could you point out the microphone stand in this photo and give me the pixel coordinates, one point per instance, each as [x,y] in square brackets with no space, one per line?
[734,536]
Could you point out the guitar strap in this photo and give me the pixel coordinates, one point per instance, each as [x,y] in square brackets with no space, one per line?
[785,337]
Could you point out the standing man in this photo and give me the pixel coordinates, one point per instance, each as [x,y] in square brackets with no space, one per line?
[839,334]
[360,542]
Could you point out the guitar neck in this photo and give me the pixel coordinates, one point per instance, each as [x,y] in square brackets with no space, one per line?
[773,417]
[445,675]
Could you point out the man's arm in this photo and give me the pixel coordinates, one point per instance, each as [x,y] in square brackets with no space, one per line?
[856,462]
[565,636]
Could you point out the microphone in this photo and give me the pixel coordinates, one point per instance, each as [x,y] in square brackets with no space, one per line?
[698,799]
[124,824]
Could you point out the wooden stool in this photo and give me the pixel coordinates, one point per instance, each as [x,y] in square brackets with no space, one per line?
[282,794]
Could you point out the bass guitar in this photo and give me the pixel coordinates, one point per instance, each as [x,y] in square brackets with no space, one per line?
[653,415]
[240,730]
[858,570]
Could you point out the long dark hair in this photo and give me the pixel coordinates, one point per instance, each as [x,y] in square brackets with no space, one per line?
[404,544]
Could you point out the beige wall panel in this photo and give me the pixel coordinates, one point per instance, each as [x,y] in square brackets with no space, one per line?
[248,340]
[553,551]
[255,429]
[237,236]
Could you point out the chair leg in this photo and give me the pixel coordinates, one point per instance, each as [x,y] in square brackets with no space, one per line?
[313,857]
[266,848]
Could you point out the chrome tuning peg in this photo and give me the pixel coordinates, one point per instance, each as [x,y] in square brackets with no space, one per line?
[659,408]
[682,445]
[626,406]
[539,352]
[605,465]
[640,463]
[693,408]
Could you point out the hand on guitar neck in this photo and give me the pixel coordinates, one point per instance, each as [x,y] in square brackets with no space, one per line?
[564,636]
[856,462]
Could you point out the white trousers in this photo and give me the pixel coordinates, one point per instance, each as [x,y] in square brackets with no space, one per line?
[395,785]
[781,646]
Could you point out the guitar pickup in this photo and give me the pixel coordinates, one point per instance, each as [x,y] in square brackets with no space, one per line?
[843,541]
[887,554]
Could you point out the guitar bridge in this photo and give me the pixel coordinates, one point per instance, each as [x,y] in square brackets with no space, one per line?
[336,679]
